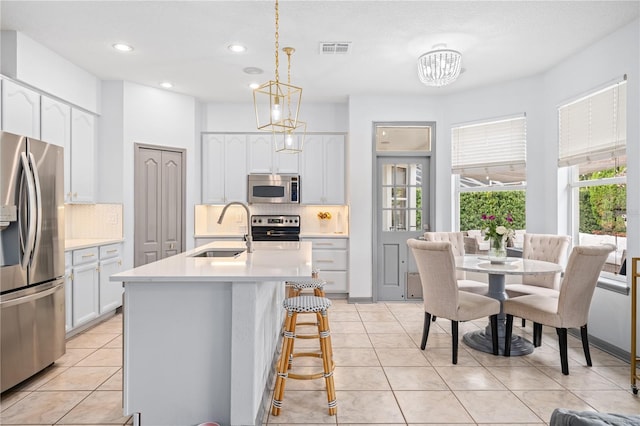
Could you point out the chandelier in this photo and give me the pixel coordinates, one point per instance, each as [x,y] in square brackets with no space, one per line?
[439,67]
[292,138]
[277,104]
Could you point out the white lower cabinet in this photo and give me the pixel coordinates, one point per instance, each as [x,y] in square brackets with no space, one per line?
[88,291]
[68,292]
[110,291]
[330,257]
[85,285]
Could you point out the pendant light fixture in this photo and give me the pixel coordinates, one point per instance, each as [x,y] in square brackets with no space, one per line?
[290,140]
[439,67]
[277,104]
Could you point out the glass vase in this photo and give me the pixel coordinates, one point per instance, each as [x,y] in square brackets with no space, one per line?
[498,249]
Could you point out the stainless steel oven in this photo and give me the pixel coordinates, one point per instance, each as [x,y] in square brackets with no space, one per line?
[275,228]
[273,189]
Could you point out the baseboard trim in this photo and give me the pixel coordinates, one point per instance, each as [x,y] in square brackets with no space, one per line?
[360,299]
[603,346]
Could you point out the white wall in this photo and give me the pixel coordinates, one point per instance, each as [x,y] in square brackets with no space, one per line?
[363,111]
[141,114]
[29,62]
[241,117]
[606,61]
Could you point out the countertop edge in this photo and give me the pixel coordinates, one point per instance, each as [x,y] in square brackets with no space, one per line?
[80,243]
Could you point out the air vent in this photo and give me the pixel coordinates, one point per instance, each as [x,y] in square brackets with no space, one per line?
[335,47]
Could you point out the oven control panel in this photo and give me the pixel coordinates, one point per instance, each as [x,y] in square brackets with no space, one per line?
[268,220]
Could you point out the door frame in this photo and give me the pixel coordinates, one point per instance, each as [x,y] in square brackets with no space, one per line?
[137,146]
[430,155]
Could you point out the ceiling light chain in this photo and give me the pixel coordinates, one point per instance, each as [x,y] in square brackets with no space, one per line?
[277,36]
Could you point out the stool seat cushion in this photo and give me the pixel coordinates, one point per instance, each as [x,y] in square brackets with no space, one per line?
[310,283]
[306,304]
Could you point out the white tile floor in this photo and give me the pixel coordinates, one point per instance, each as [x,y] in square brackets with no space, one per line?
[381,377]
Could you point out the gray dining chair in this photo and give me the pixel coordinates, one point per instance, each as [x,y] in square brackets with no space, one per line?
[436,265]
[570,309]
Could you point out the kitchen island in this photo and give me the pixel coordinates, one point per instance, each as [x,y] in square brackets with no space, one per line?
[201,333]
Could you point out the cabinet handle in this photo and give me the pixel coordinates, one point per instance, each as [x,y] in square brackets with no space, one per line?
[97,269]
[112,251]
[119,262]
[75,195]
[324,244]
[71,277]
[324,261]
[87,255]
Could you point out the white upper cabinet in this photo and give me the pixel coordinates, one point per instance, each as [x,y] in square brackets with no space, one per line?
[20,110]
[224,168]
[55,122]
[264,159]
[83,146]
[322,175]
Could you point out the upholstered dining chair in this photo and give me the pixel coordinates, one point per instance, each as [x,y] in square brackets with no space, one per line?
[457,246]
[570,309]
[441,296]
[546,247]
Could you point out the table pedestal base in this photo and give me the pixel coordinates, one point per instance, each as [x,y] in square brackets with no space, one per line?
[481,340]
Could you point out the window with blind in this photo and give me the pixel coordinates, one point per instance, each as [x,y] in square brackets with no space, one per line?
[592,141]
[489,159]
[491,152]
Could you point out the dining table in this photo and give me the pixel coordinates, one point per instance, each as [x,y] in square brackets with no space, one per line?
[497,271]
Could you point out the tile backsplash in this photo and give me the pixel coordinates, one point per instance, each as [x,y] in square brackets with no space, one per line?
[235,222]
[93,221]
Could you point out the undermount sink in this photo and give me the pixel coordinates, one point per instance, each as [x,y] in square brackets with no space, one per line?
[220,252]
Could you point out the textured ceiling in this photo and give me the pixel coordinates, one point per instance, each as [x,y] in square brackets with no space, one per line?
[186,41]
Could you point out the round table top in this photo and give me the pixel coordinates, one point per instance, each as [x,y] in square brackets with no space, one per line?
[512,266]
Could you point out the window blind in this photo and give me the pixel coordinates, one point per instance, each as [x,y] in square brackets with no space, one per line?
[593,127]
[489,147]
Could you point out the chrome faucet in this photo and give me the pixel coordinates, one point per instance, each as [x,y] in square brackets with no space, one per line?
[248,238]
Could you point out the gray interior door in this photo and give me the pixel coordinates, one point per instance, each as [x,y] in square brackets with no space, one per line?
[402,213]
[159,204]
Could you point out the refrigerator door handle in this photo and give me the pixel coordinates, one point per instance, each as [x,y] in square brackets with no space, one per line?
[38,205]
[31,230]
[30,297]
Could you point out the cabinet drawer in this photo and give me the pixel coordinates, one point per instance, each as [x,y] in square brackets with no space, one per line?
[331,260]
[85,255]
[336,281]
[329,243]
[112,250]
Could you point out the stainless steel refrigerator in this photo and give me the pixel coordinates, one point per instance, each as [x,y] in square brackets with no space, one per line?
[32,306]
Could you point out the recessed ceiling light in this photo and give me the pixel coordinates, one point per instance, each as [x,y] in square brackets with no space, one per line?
[237,48]
[122,47]
[254,85]
[166,84]
[253,70]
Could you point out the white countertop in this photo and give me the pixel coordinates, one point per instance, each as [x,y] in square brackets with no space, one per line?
[269,261]
[80,243]
[302,235]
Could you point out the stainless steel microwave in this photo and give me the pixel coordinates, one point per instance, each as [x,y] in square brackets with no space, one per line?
[273,189]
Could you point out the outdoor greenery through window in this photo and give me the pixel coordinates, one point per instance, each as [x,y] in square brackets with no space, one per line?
[593,145]
[488,160]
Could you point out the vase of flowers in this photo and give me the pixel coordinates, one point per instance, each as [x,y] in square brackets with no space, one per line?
[324,218]
[497,232]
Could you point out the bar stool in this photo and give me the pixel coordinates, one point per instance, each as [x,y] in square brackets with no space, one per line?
[294,306]
[315,284]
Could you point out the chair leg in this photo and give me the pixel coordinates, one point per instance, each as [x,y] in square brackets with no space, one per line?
[454,336]
[434,318]
[283,362]
[562,341]
[425,330]
[537,334]
[524,322]
[585,344]
[507,335]
[494,333]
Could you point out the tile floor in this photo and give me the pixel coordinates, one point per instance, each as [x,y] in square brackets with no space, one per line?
[381,377]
